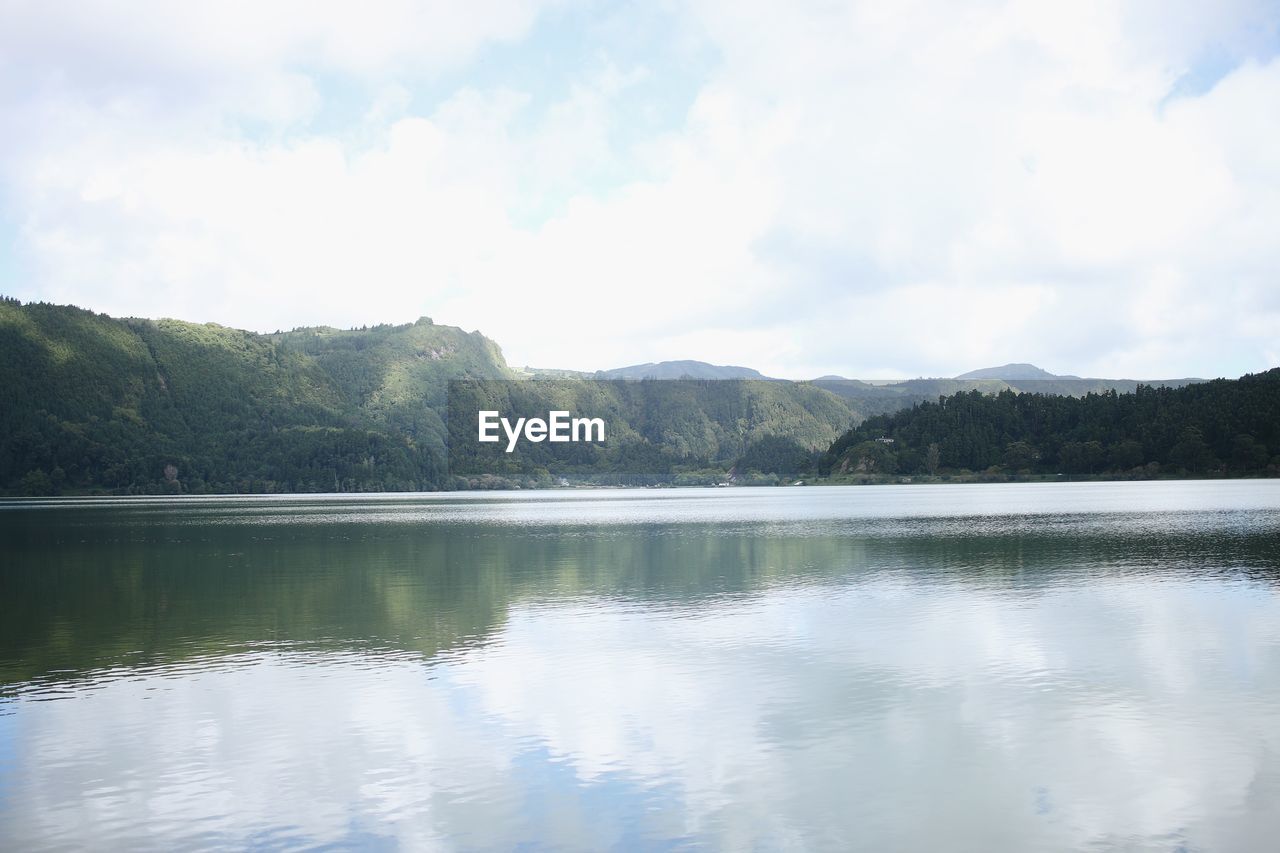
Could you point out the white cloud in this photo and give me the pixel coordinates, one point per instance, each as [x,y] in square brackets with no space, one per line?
[577,716]
[139,40]
[855,188]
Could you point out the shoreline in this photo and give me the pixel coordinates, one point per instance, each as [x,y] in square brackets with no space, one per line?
[818,482]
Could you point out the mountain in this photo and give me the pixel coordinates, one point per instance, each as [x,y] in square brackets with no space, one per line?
[1221,427]
[93,403]
[680,370]
[1012,371]
[868,399]
[693,431]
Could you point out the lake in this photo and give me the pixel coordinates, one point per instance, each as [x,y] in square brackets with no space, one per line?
[974,667]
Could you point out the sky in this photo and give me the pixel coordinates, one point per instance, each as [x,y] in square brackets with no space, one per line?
[867,189]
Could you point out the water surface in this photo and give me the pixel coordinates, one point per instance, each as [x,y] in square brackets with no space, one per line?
[977,667]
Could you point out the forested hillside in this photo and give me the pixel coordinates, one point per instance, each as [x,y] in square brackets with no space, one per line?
[93,403]
[97,404]
[1220,428]
[692,431]
[884,397]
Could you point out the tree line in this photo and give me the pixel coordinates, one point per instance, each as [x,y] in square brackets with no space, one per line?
[1218,428]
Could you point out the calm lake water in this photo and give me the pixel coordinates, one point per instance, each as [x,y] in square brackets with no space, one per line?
[977,667]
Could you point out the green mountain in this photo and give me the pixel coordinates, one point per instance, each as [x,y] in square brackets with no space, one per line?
[125,405]
[659,431]
[869,399]
[95,403]
[1220,428]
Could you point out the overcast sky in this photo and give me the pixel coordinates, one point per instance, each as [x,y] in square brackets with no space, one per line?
[871,189]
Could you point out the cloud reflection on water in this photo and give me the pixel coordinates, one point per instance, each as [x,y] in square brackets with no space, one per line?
[890,681]
[895,712]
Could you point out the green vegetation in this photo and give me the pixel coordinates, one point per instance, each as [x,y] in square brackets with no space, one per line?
[1219,428]
[884,398]
[690,432]
[94,404]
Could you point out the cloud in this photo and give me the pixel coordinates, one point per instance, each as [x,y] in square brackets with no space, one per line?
[586,718]
[849,188]
[139,42]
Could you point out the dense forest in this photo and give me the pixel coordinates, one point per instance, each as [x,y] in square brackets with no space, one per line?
[100,405]
[95,404]
[128,406]
[1219,428]
[660,431]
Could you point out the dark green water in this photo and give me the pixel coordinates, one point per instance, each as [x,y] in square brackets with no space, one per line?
[1022,667]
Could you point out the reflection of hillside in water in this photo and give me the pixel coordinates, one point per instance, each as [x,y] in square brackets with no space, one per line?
[149,584]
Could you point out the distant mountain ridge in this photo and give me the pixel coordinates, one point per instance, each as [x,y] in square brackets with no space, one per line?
[686,369]
[92,403]
[126,405]
[868,398]
[1012,371]
[1223,427]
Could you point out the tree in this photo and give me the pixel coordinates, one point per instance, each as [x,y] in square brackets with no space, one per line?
[1020,455]
[1071,458]
[1125,455]
[35,482]
[1093,456]
[870,457]
[932,458]
[1225,425]
[1247,454]
[775,454]
[1191,452]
